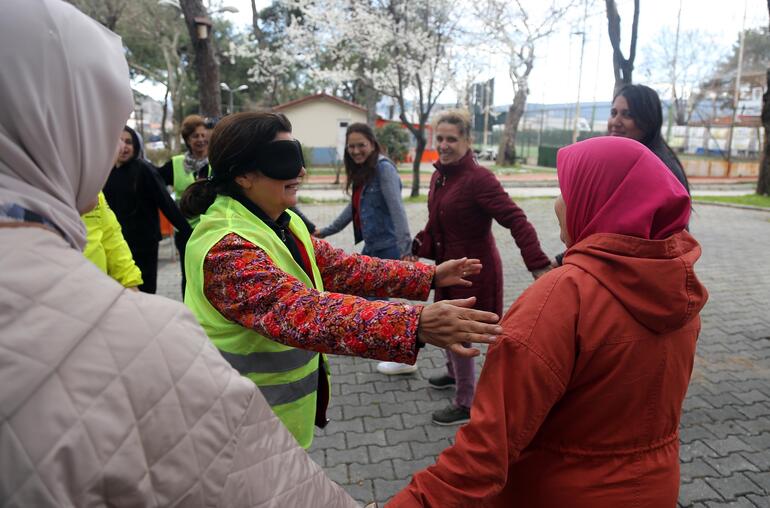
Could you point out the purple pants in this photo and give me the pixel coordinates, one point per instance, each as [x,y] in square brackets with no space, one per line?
[463,370]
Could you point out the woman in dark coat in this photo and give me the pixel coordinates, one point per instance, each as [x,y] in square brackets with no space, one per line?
[135,192]
[463,199]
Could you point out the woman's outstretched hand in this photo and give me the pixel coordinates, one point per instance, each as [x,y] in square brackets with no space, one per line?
[449,323]
[454,271]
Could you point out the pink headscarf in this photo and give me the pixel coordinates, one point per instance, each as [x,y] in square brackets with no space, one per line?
[617,185]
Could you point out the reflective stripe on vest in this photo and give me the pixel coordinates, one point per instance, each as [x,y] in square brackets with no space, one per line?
[279,361]
[290,392]
[182,180]
[287,377]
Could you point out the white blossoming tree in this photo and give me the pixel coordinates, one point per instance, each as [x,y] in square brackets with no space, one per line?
[398,48]
[513,29]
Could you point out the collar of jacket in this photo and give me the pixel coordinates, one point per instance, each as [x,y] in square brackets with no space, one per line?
[466,161]
[279,225]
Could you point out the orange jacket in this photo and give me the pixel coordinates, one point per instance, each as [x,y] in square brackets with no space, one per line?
[579,402]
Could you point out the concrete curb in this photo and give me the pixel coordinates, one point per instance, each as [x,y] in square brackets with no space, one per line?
[731,205]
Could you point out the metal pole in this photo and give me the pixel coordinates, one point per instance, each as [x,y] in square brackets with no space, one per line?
[737,93]
[580,74]
[230,102]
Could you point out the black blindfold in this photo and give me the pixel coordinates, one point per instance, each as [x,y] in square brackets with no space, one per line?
[281,160]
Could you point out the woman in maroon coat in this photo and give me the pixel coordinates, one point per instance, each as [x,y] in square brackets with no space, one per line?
[463,199]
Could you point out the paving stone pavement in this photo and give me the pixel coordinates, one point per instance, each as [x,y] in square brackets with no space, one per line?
[381,432]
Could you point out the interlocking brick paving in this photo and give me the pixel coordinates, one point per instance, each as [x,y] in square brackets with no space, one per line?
[381,431]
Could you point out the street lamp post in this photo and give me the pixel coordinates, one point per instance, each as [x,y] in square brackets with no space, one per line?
[231,92]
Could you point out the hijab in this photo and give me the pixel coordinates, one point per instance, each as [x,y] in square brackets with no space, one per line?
[617,185]
[64,98]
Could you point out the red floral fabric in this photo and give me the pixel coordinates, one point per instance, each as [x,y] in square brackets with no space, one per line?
[242,283]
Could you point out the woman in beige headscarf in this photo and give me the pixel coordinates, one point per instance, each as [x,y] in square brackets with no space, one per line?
[109,397]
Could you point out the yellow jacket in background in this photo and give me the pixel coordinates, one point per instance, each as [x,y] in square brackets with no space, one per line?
[106,248]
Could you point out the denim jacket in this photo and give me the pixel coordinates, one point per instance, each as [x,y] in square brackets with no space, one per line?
[383,219]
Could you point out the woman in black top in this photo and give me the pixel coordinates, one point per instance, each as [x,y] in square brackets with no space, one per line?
[135,192]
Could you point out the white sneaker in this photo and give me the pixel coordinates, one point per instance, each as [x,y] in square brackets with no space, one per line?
[393,368]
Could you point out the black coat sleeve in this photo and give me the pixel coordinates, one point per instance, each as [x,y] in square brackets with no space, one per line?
[166,172]
[155,187]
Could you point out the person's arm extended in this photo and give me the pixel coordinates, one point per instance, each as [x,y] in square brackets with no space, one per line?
[343,219]
[165,203]
[363,275]
[493,199]
[520,382]
[242,283]
[390,183]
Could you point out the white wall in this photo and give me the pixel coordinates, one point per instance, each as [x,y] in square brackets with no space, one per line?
[316,123]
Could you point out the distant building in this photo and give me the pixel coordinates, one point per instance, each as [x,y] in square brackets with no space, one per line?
[319,122]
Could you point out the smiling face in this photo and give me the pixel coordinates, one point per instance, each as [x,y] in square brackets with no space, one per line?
[359,147]
[621,121]
[450,143]
[198,142]
[271,195]
[125,148]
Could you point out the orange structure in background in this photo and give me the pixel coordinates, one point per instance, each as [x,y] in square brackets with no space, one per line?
[166,229]
[430,154]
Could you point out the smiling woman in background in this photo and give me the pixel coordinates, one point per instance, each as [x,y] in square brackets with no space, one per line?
[637,114]
[375,209]
[463,200]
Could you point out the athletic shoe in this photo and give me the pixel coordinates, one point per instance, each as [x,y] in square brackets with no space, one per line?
[394,368]
[441,382]
[453,415]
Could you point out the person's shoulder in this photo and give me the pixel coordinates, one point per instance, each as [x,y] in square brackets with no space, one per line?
[385,164]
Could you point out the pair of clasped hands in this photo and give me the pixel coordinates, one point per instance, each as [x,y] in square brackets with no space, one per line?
[450,323]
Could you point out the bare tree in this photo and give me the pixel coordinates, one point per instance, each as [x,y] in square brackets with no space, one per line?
[514,31]
[685,63]
[206,64]
[622,66]
[763,184]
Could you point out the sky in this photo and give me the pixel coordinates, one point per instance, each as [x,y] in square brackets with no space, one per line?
[556,70]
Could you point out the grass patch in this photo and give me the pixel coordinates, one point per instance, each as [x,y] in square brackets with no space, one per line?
[748,199]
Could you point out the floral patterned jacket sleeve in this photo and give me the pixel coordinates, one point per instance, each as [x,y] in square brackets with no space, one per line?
[362,275]
[243,284]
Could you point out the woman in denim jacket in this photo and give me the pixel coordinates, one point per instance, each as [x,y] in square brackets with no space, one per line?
[376,209]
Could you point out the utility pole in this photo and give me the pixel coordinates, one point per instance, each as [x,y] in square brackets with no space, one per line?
[737,92]
[487,101]
[673,73]
[575,127]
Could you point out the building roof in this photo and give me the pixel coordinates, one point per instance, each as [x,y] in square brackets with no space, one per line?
[319,96]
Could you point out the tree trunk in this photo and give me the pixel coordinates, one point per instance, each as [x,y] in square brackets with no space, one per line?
[206,64]
[506,153]
[365,95]
[623,67]
[418,151]
[163,132]
[763,184]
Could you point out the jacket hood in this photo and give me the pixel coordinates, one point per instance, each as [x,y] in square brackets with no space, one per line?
[653,279]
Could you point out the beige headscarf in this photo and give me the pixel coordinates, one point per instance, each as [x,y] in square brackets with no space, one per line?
[64,98]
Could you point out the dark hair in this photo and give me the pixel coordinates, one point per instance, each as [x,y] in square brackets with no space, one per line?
[189,124]
[645,108]
[360,174]
[233,143]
